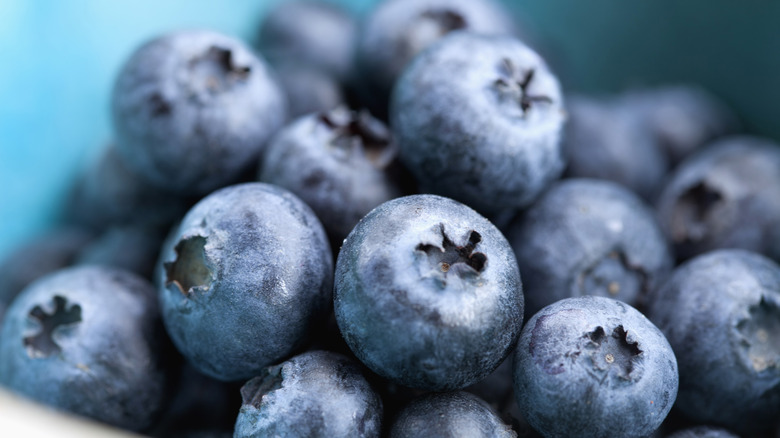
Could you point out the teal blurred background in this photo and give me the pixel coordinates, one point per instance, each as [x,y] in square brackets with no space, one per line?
[58,60]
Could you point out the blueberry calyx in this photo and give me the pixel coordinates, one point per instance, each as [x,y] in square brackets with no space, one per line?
[254,390]
[449,257]
[613,353]
[217,69]
[447,20]
[514,86]
[689,221]
[761,335]
[614,275]
[42,343]
[358,132]
[430,26]
[189,271]
[159,106]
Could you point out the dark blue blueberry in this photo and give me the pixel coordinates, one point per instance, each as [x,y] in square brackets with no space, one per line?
[397,30]
[721,314]
[87,340]
[108,193]
[594,367]
[449,414]
[308,90]
[48,252]
[681,118]
[726,196]
[479,119]
[131,248]
[192,109]
[428,293]
[605,141]
[315,394]
[318,34]
[337,162]
[702,432]
[244,279]
[589,237]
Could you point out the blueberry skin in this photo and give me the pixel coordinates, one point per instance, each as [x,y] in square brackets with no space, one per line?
[605,141]
[397,30]
[244,279]
[428,293]
[308,90]
[314,33]
[681,117]
[594,367]
[41,255]
[192,109]
[589,237]
[337,162]
[726,196]
[721,314]
[479,119]
[315,394]
[87,340]
[449,414]
[108,193]
[702,432]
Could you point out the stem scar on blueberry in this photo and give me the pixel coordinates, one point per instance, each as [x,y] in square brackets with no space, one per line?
[445,257]
[447,20]
[761,335]
[514,85]
[217,68]
[610,353]
[42,343]
[357,131]
[691,212]
[189,270]
[158,106]
[253,391]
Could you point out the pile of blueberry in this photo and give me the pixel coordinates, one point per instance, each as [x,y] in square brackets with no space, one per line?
[397,227]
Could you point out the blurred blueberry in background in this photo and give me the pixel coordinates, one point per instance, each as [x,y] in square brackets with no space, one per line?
[58,61]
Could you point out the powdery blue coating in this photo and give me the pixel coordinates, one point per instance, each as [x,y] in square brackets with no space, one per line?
[594,367]
[449,414]
[193,109]
[87,340]
[681,117]
[131,248]
[244,279]
[308,90]
[428,293]
[471,128]
[315,394]
[589,237]
[397,30]
[702,432]
[726,196]
[318,34]
[604,140]
[337,163]
[721,314]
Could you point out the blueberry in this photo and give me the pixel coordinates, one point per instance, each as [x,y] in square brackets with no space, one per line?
[315,394]
[721,314]
[428,293]
[87,340]
[605,141]
[244,279]
[479,119]
[337,162]
[726,196]
[594,367]
[589,237]
[308,90]
[397,30]
[108,193]
[314,33]
[192,109]
[131,248]
[48,252]
[682,118]
[449,414]
[702,432]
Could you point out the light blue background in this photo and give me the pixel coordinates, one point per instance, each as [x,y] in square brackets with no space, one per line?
[58,60]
